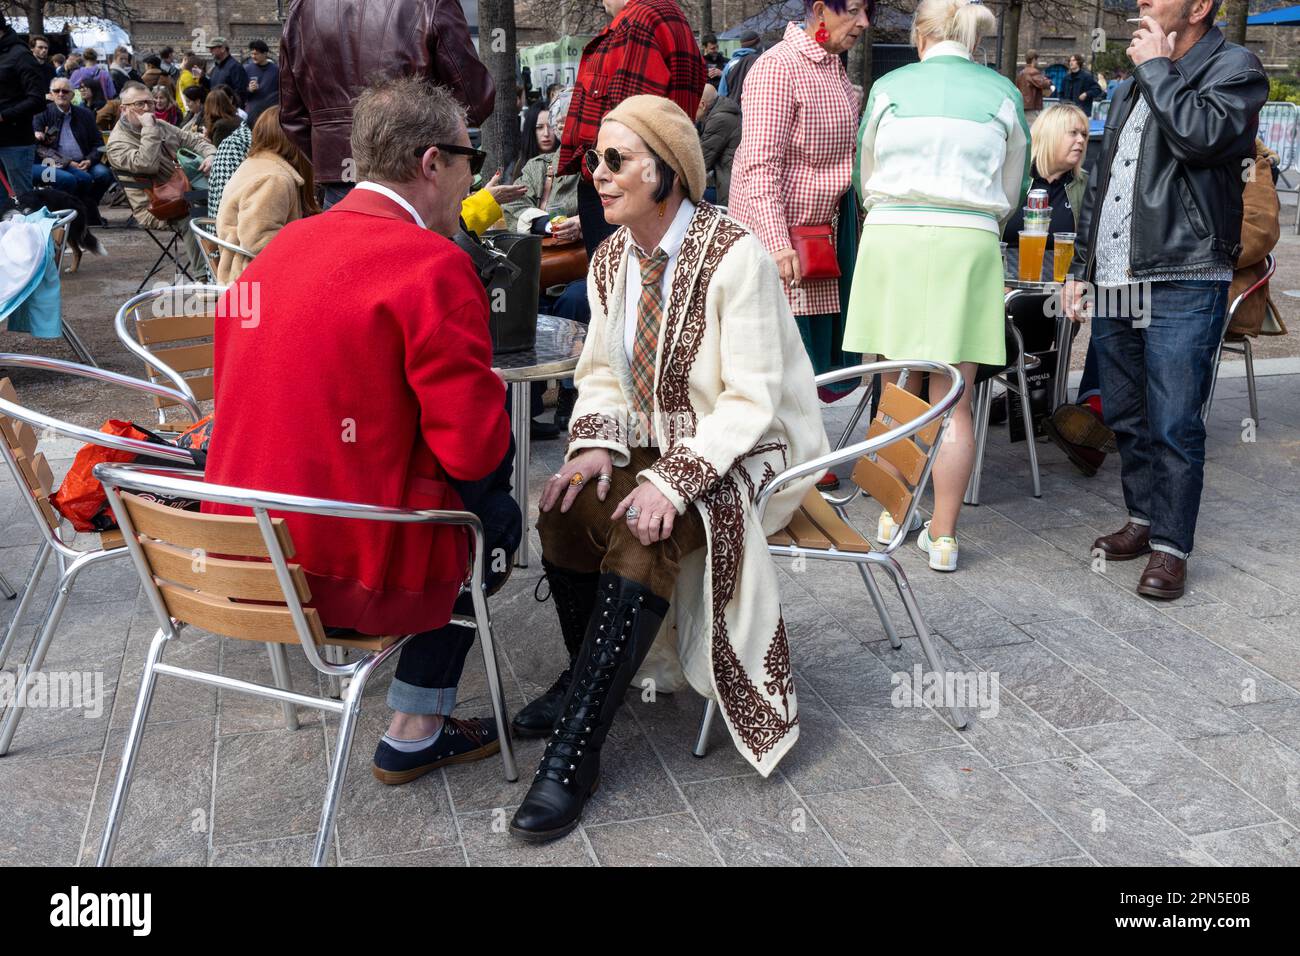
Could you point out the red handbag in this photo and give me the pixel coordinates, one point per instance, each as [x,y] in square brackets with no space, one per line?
[816,249]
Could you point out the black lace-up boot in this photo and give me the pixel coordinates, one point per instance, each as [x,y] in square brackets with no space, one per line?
[623,626]
[574,595]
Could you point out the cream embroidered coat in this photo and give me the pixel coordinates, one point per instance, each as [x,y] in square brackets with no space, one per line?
[735,405]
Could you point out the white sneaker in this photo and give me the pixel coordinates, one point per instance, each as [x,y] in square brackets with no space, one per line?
[886,526]
[942,551]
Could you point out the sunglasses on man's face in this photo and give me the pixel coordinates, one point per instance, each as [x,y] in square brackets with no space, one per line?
[613,160]
[476,156]
[61,92]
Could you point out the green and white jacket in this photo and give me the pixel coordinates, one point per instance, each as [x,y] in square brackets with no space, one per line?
[943,142]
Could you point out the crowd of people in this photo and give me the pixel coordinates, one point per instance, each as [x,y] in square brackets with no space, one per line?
[749,222]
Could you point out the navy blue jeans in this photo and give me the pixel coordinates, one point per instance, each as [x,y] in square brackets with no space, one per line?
[1155,373]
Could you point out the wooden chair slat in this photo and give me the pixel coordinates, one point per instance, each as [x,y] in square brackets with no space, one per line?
[902,406]
[363,642]
[175,328]
[781,539]
[200,385]
[904,455]
[186,358]
[216,534]
[47,509]
[247,622]
[111,540]
[840,532]
[37,472]
[806,534]
[890,493]
[220,577]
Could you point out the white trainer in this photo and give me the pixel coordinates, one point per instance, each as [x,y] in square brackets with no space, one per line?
[886,526]
[942,550]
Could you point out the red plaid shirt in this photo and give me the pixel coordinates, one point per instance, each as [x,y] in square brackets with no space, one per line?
[647,48]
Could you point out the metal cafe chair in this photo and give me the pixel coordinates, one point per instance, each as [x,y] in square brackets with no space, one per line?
[60,236]
[1240,344]
[170,330]
[255,593]
[167,251]
[907,432]
[31,472]
[205,231]
[983,402]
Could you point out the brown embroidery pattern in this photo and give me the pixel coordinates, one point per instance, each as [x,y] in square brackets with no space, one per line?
[596,427]
[753,717]
[604,265]
[688,474]
[777,664]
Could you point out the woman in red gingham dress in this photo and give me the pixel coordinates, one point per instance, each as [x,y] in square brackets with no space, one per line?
[794,165]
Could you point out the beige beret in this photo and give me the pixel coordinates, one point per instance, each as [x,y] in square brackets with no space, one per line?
[669,133]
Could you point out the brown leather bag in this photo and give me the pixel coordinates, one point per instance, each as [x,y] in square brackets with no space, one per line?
[167,200]
[562,262]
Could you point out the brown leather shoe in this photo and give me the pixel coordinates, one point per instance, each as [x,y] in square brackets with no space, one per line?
[1164,578]
[1079,425]
[1129,542]
[1087,460]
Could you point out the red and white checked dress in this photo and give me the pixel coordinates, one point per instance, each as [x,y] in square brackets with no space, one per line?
[795,160]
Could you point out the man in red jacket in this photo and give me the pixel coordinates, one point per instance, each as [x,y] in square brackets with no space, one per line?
[358,367]
[647,48]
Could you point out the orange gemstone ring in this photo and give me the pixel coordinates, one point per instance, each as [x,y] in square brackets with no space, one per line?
[577,479]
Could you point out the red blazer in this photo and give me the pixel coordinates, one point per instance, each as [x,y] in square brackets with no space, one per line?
[354,363]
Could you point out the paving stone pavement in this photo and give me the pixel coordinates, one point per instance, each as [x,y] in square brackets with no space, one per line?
[1126,731]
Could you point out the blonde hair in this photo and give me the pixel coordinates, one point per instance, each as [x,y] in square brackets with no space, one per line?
[1052,125]
[961,21]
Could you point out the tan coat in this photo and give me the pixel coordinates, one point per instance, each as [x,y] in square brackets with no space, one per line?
[1260,230]
[149,154]
[261,198]
[735,405]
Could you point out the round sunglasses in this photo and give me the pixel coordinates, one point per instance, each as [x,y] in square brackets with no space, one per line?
[612,157]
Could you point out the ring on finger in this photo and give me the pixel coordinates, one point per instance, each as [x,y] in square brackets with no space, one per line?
[633,512]
[577,480]
[604,479]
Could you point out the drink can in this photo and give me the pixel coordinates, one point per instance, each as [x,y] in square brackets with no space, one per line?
[1037,199]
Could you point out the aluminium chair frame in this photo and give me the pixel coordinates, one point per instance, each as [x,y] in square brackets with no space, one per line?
[70,561]
[62,222]
[982,403]
[127,478]
[1244,349]
[941,412]
[205,231]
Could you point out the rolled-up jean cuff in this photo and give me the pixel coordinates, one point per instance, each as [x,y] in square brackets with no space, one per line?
[1169,549]
[410,699]
[1139,521]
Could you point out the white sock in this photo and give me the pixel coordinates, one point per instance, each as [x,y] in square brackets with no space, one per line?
[411,746]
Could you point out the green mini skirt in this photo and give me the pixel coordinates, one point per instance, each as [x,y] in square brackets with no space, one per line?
[928,292]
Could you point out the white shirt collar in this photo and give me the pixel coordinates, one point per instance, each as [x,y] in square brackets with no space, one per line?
[671,243]
[400,200]
[947,48]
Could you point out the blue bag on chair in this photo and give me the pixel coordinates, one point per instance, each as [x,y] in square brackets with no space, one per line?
[30,294]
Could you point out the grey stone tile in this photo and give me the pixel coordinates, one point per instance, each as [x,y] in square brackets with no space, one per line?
[999,726]
[1055,691]
[46,800]
[1232,585]
[632,780]
[57,730]
[1068,861]
[672,724]
[1272,649]
[438,857]
[1023,550]
[1218,674]
[167,817]
[991,821]
[757,822]
[828,756]
[1103,817]
[671,840]
[286,851]
[482,785]
[269,785]
[245,713]
[1143,685]
[1097,597]
[1015,595]
[488,842]
[91,635]
[1259,765]
[173,699]
[1167,776]
[1273,844]
[884,826]
[1281,719]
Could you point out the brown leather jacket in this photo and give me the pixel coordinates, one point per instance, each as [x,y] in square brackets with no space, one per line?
[1260,230]
[331,49]
[1032,84]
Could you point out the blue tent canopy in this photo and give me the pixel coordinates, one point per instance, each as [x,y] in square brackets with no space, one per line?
[1283,17]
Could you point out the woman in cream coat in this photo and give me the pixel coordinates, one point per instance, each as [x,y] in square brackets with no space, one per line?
[694,392]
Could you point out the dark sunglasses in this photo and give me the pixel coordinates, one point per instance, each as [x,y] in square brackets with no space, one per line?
[612,157]
[476,156]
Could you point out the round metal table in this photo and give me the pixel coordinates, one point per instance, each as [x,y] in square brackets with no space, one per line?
[1065,330]
[554,355]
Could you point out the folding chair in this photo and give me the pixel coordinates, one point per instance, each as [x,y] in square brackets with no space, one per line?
[166,250]
[256,594]
[171,330]
[205,231]
[983,402]
[1240,344]
[820,528]
[60,236]
[33,477]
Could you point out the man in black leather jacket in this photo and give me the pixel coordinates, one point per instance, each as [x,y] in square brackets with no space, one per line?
[1158,237]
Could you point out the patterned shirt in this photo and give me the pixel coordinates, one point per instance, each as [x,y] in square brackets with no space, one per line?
[1113,230]
[229,155]
[647,48]
[795,159]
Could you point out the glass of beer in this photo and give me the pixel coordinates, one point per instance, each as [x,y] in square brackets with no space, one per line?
[1032,247]
[1063,246]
